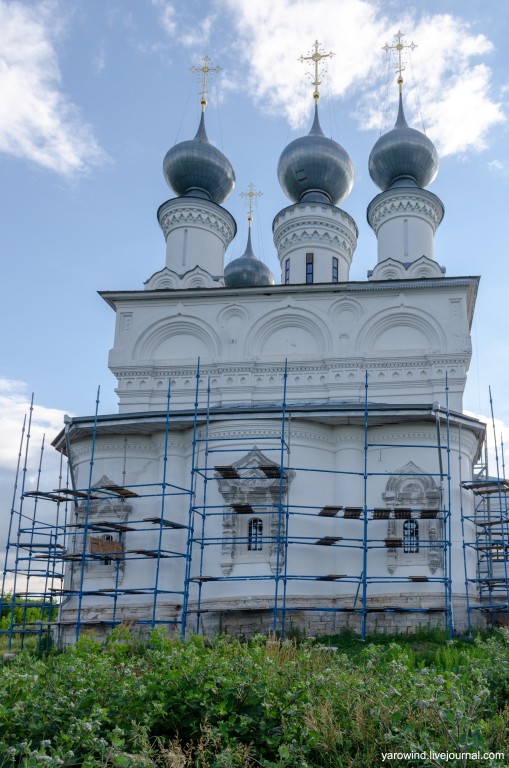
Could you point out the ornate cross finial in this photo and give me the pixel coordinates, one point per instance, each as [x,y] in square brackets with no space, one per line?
[250,194]
[399,46]
[205,69]
[316,57]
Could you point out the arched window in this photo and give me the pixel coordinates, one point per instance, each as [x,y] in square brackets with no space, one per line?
[255,532]
[410,536]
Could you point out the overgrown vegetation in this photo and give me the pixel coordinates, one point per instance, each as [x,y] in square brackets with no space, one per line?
[225,703]
[34,614]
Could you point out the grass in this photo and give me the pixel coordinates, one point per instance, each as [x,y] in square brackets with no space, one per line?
[225,703]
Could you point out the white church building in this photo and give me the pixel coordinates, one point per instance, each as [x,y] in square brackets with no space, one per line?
[287,455]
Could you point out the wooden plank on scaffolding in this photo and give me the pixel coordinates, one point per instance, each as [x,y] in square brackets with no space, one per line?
[331,577]
[352,513]
[76,494]
[271,471]
[328,541]
[119,490]
[46,495]
[486,487]
[243,509]
[228,473]
[162,521]
[403,513]
[381,513]
[329,511]
[110,525]
[147,552]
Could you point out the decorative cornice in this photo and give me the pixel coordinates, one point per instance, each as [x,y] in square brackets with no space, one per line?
[168,279]
[398,202]
[113,298]
[392,269]
[181,211]
[321,213]
[303,230]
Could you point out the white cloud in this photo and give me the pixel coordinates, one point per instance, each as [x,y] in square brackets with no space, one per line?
[167,16]
[38,121]
[192,35]
[14,404]
[453,85]
[498,166]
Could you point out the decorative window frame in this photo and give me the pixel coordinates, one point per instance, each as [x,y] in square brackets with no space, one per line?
[111,508]
[253,489]
[412,489]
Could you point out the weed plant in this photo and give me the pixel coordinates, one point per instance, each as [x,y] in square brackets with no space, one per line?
[224,703]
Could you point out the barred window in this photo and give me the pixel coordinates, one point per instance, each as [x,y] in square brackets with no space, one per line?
[255,533]
[410,536]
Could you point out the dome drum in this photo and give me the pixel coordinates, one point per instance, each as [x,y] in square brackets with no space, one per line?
[197,233]
[323,230]
[405,221]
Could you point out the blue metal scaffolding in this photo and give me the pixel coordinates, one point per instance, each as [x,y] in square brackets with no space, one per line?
[288,514]
[72,541]
[490,544]
[78,537]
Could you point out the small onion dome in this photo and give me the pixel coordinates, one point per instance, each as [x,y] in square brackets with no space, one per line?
[196,168]
[247,271]
[314,168]
[403,157]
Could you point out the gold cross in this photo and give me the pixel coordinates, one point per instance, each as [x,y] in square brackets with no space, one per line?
[205,69]
[399,47]
[251,194]
[316,57]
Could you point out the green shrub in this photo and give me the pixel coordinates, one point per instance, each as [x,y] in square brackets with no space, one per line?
[272,703]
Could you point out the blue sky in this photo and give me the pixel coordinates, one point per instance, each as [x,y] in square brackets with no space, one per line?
[94,92]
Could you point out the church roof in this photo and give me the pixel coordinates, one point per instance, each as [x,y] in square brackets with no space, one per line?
[314,168]
[198,169]
[403,156]
[247,270]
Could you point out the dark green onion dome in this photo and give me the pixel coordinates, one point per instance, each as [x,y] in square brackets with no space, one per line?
[247,271]
[314,168]
[403,157]
[196,168]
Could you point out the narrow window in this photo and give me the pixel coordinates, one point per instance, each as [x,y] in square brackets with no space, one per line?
[287,271]
[108,537]
[255,532]
[309,267]
[334,269]
[410,536]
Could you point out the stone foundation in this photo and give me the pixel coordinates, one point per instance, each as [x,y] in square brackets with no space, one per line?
[310,617]
[304,616]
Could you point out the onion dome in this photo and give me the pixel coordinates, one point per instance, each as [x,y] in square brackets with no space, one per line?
[403,157]
[196,168]
[247,271]
[314,168]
